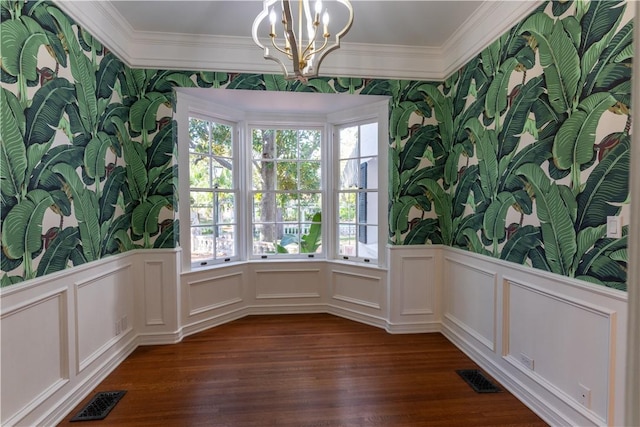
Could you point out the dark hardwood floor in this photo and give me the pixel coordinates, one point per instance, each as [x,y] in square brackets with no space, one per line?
[303,370]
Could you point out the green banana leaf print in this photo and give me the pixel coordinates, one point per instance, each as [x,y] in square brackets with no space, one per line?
[521,154]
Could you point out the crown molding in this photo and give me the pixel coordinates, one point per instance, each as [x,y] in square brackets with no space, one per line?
[104,22]
[491,20]
[156,50]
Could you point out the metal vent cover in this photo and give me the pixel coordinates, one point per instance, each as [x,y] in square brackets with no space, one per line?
[478,381]
[100,406]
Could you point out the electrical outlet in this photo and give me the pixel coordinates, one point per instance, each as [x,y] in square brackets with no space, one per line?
[614,227]
[118,329]
[584,396]
[526,361]
[124,323]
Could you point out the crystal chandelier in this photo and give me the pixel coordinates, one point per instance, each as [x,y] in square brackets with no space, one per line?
[307,47]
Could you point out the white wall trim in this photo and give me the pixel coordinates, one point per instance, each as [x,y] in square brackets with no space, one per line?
[491,20]
[632,412]
[372,300]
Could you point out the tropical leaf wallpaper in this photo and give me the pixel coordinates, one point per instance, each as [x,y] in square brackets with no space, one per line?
[520,155]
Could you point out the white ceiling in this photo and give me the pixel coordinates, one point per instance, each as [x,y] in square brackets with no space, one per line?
[404,23]
[389,39]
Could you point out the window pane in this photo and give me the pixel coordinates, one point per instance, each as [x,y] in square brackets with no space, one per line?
[310,144]
[288,207]
[262,144]
[222,173]
[221,140]
[287,144]
[201,243]
[290,240]
[347,240]
[264,207]
[199,171]
[310,204]
[263,176]
[226,208]
[347,207]
[201,205]
[261,243]
[349,174]
[199,136]
[310,176]
[225,243]
[369,140]
[368,173]
[349,142]
[287,176]
[257,207]
[311,238]
[368,241]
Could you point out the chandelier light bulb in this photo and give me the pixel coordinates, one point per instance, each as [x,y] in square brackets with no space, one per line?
[272,20]
[325,21]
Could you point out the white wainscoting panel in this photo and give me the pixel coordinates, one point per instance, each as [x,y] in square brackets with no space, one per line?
[357,288]
[470,300]
[62,334]
[154,305]
[569,341]
[157,295]
[212,296]
[414,289]
[288,282]
[215,292]
[558,334]
[102,312]
[358,293]
[34,354]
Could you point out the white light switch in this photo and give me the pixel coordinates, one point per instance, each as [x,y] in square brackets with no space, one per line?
[614,227]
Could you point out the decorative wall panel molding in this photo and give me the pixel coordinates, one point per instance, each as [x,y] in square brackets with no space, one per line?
[154,293]
[287,282]
[357,288]
[34,354]
[470,300]
[215,293]
[557,359]
[102,312]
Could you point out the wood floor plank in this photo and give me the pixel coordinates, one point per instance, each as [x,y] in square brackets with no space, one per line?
[303,370]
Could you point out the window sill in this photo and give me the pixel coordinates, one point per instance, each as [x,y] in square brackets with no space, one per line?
[219,266]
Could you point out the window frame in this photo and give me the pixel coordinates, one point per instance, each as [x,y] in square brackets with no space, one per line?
[234,190]
[276,122]
[191,103]
[358,192]
[376,111]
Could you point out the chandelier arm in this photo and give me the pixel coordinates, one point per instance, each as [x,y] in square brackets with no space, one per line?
[320,49]
[278,48]
[286,11]
[309,50]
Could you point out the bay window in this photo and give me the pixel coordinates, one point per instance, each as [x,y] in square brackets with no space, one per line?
[271,184]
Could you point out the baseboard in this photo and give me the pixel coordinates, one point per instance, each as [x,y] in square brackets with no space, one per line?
[160,338]
[359,317]
[413,328]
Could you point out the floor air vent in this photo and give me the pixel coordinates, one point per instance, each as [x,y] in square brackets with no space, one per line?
[100,406]
[478,381]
